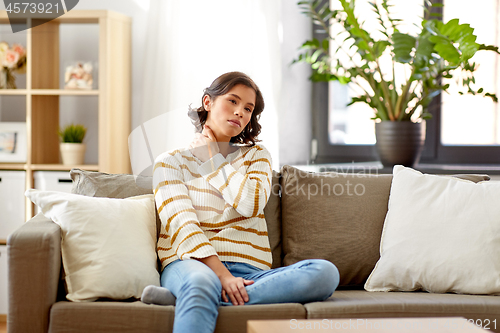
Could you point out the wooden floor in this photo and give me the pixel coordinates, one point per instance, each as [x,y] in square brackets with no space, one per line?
[3,327]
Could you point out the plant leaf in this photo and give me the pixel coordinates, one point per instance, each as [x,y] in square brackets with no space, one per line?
[489,48]
[403,46]
[322,77]
[444,47]
[379,47]
[325,44]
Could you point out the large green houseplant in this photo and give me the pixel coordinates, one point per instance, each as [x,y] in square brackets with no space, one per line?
[430,57]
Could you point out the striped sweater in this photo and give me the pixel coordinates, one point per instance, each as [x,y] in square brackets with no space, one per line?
[214,208]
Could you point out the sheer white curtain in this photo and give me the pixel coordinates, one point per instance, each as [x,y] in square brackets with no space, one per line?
[190,43]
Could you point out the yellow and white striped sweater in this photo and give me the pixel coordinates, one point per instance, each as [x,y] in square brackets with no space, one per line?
[214,208]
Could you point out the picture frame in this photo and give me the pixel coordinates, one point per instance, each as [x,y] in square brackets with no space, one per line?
[79,75]
[13,147]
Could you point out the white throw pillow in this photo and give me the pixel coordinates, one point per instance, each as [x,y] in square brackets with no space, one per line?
[108,245]
[441,234]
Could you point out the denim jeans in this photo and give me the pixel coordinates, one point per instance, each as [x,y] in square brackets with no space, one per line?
[198,289]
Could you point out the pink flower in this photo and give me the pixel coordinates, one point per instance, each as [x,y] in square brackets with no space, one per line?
[11,58]
[19,49]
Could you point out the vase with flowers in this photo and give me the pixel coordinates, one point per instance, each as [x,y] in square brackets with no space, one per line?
[12,59]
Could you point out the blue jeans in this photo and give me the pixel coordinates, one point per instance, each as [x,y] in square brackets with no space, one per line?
[198,289]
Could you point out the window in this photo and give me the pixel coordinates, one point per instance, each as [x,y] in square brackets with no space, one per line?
[464,129]
[473,120]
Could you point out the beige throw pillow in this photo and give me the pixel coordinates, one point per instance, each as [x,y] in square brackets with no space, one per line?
[334,216]
[108,245]
[100,184]
[441,234]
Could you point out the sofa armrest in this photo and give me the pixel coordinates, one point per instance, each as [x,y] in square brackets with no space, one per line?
[34,261]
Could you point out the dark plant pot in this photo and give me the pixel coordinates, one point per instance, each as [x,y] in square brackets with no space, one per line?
[399,142]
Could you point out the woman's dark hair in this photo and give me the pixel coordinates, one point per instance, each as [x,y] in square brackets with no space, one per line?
[221,86]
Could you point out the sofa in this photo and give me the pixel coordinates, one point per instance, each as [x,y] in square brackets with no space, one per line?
[304,221]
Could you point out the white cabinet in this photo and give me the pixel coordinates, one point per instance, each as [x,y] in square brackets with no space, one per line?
[52,181]
[3,279]
[12,187]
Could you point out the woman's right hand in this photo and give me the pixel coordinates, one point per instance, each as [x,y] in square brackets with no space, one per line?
[204,145]
[234,287]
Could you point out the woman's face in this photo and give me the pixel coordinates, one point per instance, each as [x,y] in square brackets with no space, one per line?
[229,114]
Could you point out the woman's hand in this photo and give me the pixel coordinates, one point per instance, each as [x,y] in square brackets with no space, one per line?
[204,145]
[234,287]
[231,286]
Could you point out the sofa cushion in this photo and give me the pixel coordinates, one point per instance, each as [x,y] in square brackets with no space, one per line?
[441,234]
[106,185]
[324,218]
[115,259]
[272,213]
[364,304]
[100,184]
[335,216]
[126,317]
[137,317]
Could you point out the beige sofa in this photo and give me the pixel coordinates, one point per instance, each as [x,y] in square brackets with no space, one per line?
[343,225]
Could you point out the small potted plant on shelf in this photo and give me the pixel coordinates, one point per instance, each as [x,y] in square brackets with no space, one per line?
[400,103]
[72,146]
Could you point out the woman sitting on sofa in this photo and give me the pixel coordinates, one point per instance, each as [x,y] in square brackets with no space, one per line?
[213,245]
